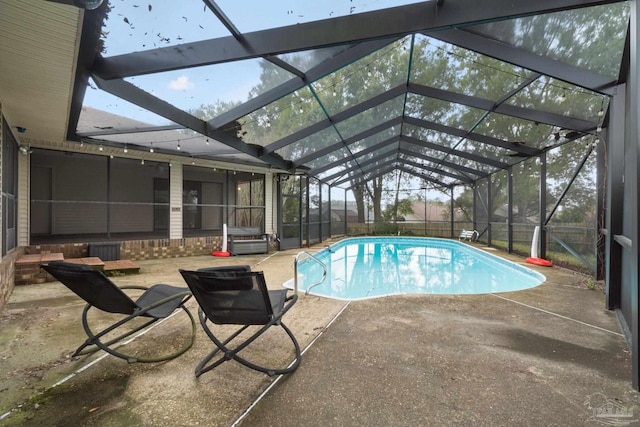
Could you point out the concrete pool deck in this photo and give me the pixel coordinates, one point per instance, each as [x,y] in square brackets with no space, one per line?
[551,355]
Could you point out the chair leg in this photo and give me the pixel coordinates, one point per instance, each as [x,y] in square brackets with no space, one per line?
[232,353]
[204,365]
[94,339]
[269,371]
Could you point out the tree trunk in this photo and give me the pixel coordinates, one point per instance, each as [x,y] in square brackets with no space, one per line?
[377,199]
[359,196]
[397,198]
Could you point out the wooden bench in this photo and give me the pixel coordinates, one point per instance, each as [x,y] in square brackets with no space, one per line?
[471,235]
[247,240]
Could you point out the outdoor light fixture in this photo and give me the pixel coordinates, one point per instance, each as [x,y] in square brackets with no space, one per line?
[24,150]
[88,4]
[82,4]
[126,150]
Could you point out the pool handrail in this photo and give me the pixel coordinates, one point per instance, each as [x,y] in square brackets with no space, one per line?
[295,271]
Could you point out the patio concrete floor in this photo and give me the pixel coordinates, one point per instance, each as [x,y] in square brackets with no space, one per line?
[548,356]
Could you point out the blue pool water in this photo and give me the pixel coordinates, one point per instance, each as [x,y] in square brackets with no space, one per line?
[371,267]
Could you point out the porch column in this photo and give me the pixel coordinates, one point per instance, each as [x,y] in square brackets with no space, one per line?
[270,203]
[175,201]
[22,220]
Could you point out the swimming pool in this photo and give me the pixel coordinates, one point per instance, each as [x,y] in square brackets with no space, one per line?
[371,267]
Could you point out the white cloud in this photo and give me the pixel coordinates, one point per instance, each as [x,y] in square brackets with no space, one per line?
[181,83]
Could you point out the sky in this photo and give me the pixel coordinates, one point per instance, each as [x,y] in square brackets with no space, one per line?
[138,26]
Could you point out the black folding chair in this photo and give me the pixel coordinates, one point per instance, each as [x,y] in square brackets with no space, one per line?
[157,302]
[237,296]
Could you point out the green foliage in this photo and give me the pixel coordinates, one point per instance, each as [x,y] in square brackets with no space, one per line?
[114,273]
[385,229]
[398,210]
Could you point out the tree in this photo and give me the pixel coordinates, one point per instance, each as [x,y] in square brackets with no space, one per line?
[438,65]
[396,211]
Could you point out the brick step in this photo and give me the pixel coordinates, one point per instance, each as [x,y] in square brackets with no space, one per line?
[95,262]
[122,266]
[28,269]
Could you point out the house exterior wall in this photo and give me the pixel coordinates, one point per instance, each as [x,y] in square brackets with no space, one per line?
[136,181]
[136,250]
[7,264]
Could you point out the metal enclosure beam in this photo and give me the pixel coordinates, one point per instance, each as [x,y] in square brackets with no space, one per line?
[362,166]
[631,182]
[451,212]
[397,21]
[324,68]
[544,65]
[459,168]
[543,206]
[510,209]
[461,178]
[568,186]
[475,205]
[337,118]
[489,208]
[551,119]
[518,148]
[348,141]
[339,162]
[133,94]
[601,180]
[359,176]
[615,197]
[470,156]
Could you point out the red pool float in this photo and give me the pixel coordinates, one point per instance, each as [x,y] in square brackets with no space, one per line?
[539,261]
[220,253]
